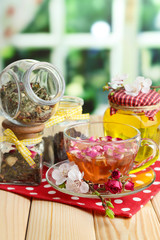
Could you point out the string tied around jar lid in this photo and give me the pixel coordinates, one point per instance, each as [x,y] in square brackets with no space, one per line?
[63,114]
[20,145]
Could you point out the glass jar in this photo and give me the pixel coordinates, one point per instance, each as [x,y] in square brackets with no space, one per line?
[148,128]
[30,91]
[15,168]
[70,108]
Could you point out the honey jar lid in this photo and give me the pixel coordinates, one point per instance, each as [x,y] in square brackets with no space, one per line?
[148,103]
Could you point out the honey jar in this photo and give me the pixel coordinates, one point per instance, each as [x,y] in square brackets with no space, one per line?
[142,112]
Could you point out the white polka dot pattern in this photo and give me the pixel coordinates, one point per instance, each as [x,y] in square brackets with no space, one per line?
[98,203]
[137,199]
[148,174]
[125,209]
[126,206]
[157,168]
[156,183]
[118,201]
[29,188]
[47,186]
[51,192]
[139,182]
[146,191]
[132,175]
[75,198]
[44,180]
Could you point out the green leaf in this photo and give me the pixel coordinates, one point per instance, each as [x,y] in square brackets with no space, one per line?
[109,204]
[109,213]
[63,185]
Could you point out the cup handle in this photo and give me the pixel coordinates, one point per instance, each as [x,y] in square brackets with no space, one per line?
[141,163]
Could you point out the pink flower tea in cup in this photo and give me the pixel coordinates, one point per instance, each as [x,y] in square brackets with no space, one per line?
[104,147]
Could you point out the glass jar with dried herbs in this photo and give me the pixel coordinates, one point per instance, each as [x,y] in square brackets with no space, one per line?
[69,112]
[30,91]
[21,151]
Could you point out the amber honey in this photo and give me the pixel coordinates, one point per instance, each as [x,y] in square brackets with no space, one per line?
[149,129]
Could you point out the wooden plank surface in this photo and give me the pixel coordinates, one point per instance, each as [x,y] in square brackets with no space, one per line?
[14,212]
[156,205]
[55,221]
[142,226]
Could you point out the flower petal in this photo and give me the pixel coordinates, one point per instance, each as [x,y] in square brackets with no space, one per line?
[72,185]
[75,174]
[58,177]
[132,89]
[84,188]
[145,89]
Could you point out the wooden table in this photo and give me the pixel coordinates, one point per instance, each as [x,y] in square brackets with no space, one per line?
[22,218]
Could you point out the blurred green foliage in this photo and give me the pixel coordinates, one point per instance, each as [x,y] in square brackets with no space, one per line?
[149,19]
[40,23]
[87,73]
[81,14]
[29,53]
[88,70]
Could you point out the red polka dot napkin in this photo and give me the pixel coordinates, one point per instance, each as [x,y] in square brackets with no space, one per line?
[123,206]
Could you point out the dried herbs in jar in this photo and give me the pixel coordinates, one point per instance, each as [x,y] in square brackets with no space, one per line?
[16,167]
[30,92]
[70,112]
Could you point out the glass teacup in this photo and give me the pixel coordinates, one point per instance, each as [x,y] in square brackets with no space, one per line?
[98,148]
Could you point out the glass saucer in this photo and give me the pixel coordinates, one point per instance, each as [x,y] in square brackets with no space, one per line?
[141,180]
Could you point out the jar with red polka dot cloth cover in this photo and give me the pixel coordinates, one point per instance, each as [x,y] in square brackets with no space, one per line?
[135,105]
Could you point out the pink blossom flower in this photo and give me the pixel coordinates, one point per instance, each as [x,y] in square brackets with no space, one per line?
[132,89]
[145,84]
[75,181]
[117,81]
[70,174]
[141,84]
[129,185]
[116,174]
[113,186]
[60,174]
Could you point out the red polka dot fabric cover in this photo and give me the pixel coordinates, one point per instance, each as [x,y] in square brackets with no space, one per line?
[123,207]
